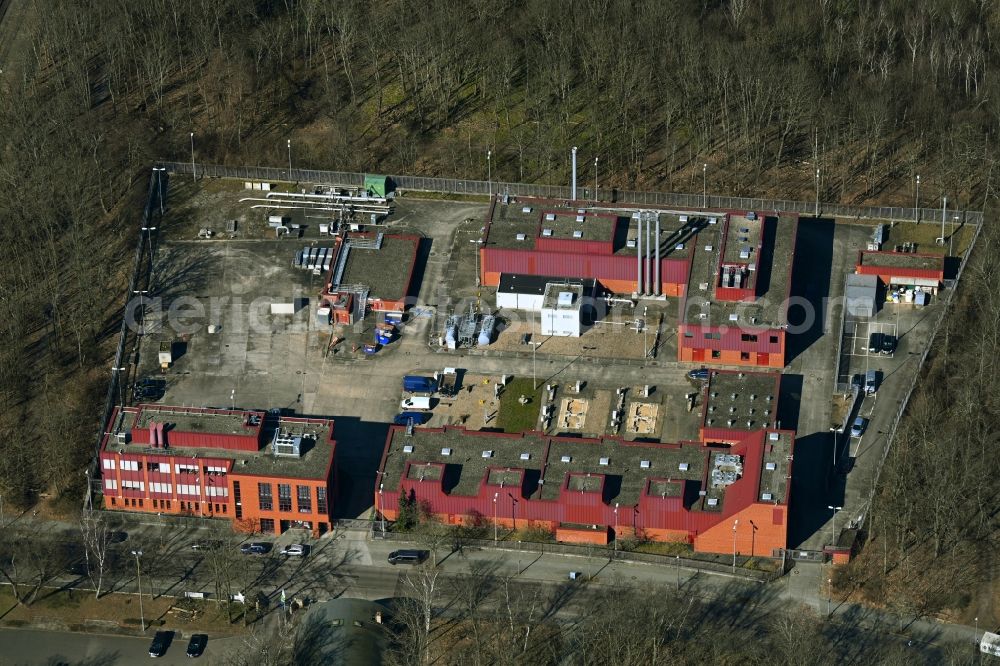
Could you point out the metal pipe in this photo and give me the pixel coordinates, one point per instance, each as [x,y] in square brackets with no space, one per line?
[638,256]
[649,257]
[656,238]
[573,184]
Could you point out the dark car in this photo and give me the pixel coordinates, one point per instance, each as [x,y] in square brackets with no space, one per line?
[196,646]
[408,556]
[161,641]
[419,418]
[255,548]
[875,343]
[700,374]
[888,344]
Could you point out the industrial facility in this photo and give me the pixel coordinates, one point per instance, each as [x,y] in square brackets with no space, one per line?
[727,493]
[263,472]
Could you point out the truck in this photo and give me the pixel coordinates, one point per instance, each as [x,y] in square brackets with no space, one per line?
[419,384]
[448,382]
[416,402]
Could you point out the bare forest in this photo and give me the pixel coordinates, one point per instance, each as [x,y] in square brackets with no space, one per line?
[742,97]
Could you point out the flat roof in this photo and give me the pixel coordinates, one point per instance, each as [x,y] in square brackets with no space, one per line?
[386,271]
[545,472]
[517,283]
[565,224]
[313,464]
[777,454]
[675,235]
[194,419]
[902,260]
[768,310]
[550,299]
[741,397]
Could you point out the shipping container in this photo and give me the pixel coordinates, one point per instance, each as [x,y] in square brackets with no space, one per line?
[419,384]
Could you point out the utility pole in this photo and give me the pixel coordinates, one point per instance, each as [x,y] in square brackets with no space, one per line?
[194,176]
[138,580]
[916,203]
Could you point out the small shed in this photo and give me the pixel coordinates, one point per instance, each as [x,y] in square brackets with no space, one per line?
[860,295]
[377,186]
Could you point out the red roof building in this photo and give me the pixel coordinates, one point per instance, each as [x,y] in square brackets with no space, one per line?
[903,268]
[264,473]
[735,309]
[591,489]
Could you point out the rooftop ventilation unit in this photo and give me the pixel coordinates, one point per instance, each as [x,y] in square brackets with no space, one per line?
[773,436]
[566,459]
[565,298]
[684,218]
[526,209]
[770,466]
[605,461]
[487,454]
[446,452]
[521,237]
[766,497]
[546,232]
[525,456]
[577,233]
[734,317]
[644,464]
[679,246]
[408,448]
[550,216]
[708,248]
[713,220]
[579,218]
[683,467]
[712,501]
[630,242]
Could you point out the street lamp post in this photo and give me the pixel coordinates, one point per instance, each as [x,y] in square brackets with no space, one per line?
[829,597]
[975,637]
[495,496]
[596,198]
[916,202]
[381,504]
[817,192]
[138,580]
[289,159]
[833,524]
[194,176]
[159,186]
[677,558]
[489,172]
[704,185]
[616,527]
[735,523]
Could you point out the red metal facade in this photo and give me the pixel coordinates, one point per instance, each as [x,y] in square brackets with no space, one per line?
[868,264]
[732,338]
[652,513]
[247,440]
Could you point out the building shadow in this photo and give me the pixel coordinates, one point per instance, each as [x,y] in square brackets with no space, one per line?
[811,272]
[359,451]
[790,401]
[815,486]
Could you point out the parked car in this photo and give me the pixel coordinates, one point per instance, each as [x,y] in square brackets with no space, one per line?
[161,641]
[295,550]
[419,418]
[700,374]
[888,344]
[255,548]
[415,402]
[408,556]
[871,381]
[875,343]
[859,426]
[197,644]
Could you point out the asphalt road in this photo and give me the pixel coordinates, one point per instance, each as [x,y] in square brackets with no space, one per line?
[22,647]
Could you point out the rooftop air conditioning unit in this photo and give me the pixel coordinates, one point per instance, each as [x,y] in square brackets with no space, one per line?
[579,218]
[546,232]
[521,237]
[577,233]
[526,209]
[605,461]
[770,466]
[684,218]
[525,456]
[766,497]
[773,436]
[566,459]
[408,448]
[683,467]
[487,454]
[712,501]
[630,242]
[446,452]
[644,464]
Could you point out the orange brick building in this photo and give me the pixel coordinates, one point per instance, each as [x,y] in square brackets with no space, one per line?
[590,490]
[263,472]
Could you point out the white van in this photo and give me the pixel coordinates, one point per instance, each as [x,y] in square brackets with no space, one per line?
[415,402]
